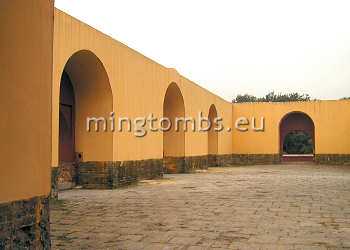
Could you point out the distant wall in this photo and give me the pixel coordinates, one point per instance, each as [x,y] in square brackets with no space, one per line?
[331,120]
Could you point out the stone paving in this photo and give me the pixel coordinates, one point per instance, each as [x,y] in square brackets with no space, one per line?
[291,206]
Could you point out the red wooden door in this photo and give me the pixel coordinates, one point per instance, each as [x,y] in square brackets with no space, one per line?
[66,122]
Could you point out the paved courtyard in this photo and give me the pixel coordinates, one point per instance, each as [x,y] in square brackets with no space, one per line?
[290,206]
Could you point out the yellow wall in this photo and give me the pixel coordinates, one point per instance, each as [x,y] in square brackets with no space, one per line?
[331,120]
[138,85]
[25,130]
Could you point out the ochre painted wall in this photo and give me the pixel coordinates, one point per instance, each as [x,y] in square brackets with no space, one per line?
[331,120]
[26,71]
[138,87]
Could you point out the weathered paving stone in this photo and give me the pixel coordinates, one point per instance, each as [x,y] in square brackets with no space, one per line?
[252,207]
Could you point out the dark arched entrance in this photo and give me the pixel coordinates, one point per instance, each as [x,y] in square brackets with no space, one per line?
[289,126]
[66,121]
[85,92]
[212,138]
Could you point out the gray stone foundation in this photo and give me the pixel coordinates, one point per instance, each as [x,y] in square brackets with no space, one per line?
[104,175]
[110,175]
[223,160]
[212,162]
[97,175]
[54,183]
[255,159]
[66,176]
[173,165]
[147,169]
[63,177]
[193,163]
[25,224]
[336,159]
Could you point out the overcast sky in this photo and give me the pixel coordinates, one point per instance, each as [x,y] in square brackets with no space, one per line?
[235,47]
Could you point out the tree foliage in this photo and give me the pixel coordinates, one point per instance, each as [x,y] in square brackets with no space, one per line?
[298,142]
[273,97]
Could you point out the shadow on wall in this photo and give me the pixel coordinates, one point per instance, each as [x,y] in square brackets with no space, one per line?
[87,94]
[173,142]
[212,138]
[84,92]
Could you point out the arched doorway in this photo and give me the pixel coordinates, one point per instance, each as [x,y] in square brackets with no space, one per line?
[297,137]
[66,121]
[212,138]
[173,141]
[84,92]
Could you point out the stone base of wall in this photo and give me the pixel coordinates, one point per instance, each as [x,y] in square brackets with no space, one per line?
[212,161]
[66,176]
[97,175]
[148,169]
[63,177]
[25,224]
[110,175]
[224,160]
[335,159]
[173,165]
[255,159]
[193,163]
[54,183]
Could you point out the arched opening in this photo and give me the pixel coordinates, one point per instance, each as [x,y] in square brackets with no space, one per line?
[297,137]
[66,121]
[84,92]
[212,138]
[173,141]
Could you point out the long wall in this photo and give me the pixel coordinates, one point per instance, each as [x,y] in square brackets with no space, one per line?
[132,85]
[138,87]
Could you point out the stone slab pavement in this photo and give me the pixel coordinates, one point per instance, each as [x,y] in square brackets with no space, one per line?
[291,206]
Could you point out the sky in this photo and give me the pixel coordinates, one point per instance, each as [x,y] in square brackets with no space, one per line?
[235,47]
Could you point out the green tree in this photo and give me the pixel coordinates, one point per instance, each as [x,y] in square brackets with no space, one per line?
[273,97]
[245,98]
[298,142]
